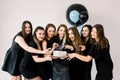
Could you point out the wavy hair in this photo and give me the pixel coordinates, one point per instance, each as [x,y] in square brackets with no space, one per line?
[103,42]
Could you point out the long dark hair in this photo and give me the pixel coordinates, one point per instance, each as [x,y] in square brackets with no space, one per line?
[103,42]
[35,37]
[22,33]
[23,28]
[89,35]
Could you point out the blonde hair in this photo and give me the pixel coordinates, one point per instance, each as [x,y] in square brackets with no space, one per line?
[66,33]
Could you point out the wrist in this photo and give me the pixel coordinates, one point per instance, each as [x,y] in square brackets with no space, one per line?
[41,52]
[72,49]
[75,55]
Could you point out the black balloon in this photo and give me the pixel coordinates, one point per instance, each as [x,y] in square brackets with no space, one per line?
[77,14]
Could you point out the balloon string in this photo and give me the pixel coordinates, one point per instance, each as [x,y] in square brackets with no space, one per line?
[76,25]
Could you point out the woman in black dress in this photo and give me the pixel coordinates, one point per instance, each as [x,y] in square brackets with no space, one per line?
[76,67]
[50,33]
[32,65]
[100,52]
[16,51]
[85,35]
[59,65]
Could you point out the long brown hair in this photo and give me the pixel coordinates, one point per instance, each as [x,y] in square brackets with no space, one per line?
[23,28]
[78,41]
[28,37]
[89,35]
[47,27]
[103,42]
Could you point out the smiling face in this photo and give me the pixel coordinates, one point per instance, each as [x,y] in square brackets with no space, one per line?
[71,35]
[94,33]
[40,35]
[61,32]
[27,28]
[51,32]
[85,32]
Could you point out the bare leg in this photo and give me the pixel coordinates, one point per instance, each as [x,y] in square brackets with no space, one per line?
[13,77]
[19,77]
[16,77]
[36,78]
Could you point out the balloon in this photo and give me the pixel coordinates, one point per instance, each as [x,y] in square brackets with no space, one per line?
[74,16]
[83,17]
[77,14]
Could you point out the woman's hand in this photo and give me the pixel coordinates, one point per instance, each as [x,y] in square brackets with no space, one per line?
[46,51]
[73,55]
[82,47]
[48,58]
[55,57]
[55,45]
[69,47]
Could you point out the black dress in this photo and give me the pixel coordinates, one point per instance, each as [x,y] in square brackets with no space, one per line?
[48,64]
[104,64]
[31,69]
[87,65]
[13,58]
[60,69]
[76,68]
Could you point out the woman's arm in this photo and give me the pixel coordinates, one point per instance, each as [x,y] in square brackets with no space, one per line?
[82,47]
[69,47]
[44,45]
[38,59]
[80,57]
[24,45]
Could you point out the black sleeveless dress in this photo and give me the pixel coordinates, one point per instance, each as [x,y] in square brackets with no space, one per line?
[31,69]
[12,59]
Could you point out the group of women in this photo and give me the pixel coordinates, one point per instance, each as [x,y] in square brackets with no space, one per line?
[31,55]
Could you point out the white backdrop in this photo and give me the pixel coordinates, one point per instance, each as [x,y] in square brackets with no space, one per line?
[42,12]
